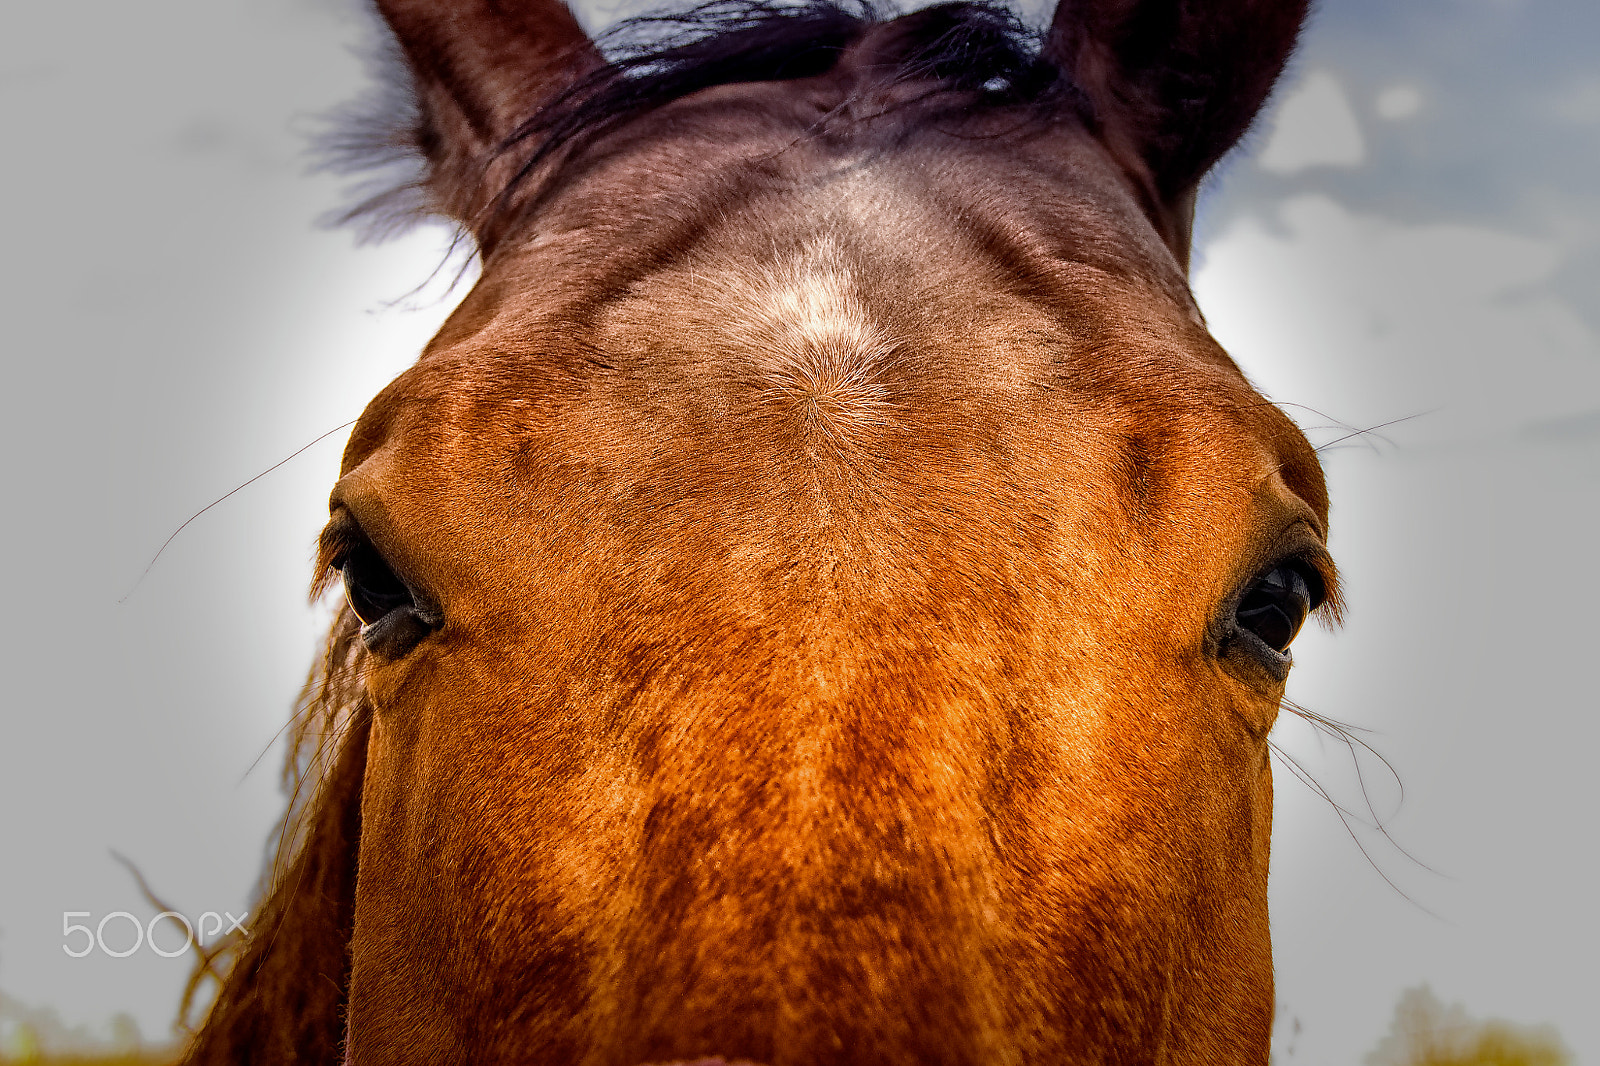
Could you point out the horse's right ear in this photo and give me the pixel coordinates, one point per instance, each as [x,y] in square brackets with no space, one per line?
[1173,84]
[477,69]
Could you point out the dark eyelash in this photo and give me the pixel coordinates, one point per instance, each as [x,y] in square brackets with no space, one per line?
[338,539]
[1321,575]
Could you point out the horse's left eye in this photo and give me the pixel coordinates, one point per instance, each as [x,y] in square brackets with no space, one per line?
[1276,605]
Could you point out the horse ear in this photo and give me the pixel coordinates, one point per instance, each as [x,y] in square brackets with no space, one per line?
[478,68]
[1174,83]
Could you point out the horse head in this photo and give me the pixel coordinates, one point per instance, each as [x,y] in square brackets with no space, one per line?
[823,595]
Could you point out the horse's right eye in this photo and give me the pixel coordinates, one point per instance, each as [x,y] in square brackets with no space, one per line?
[371,586]
[393,618]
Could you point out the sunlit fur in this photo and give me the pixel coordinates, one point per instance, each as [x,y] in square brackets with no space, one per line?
[809,335]
[834,501]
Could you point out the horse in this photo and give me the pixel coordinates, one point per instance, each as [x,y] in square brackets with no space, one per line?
[823,595]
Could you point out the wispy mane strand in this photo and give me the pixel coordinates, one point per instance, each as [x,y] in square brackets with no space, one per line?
[968,46]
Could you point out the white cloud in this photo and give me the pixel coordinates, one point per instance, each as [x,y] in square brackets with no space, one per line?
[1370,319]
[1579,102]
[1314,126]
[1399,102]
[1454,654]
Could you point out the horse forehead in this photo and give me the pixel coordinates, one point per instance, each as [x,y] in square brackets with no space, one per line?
[748,168]
[822,321]
[806,310]
[849,299]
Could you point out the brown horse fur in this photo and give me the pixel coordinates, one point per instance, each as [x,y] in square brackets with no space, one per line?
[820,533]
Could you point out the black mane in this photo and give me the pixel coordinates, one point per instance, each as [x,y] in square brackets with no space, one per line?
[966,46]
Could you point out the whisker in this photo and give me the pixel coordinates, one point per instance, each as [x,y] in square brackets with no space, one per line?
[1326,727]
[1371,432]
[164,544]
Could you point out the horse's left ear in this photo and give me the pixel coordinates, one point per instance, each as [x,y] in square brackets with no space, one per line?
[478,68]
[1174,83]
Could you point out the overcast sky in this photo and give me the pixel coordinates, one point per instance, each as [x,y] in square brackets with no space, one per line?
[1411,240]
